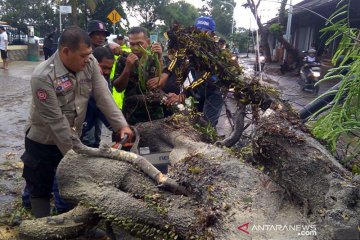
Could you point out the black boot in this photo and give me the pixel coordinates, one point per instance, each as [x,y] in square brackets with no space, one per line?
[40,207]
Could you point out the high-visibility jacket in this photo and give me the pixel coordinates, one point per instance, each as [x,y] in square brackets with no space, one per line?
[118,96]
[125,48]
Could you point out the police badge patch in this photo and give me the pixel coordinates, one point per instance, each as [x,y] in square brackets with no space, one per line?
[63,85]
[41,94]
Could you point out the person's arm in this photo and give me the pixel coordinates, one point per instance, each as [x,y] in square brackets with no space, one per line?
[106,104]
[122,81]
[48,110]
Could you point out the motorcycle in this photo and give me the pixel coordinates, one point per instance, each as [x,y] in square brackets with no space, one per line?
[310,74]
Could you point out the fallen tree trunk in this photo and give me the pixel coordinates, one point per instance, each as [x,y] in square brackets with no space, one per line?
[228,198]
[325,189]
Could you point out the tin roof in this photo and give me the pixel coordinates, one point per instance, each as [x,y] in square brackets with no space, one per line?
[312,5]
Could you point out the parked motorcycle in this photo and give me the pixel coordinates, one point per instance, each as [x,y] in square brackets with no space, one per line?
[310,74]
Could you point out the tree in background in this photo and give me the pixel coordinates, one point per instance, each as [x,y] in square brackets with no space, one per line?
[149,11]
[221,13]
[241,39]
[44,14]
[78,12]
[181,12]
[103,9]
[37,13]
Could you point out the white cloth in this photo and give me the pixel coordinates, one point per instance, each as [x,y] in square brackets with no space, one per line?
[3,41]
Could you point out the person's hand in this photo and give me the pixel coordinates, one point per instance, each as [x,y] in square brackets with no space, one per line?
[126,130]
[156,48]
[131,59]
[172,98]
[154,83]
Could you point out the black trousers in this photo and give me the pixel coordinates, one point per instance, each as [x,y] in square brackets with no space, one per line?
[40,163]
[47,52]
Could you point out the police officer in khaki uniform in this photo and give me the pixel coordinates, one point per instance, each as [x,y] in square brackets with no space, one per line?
[61,87]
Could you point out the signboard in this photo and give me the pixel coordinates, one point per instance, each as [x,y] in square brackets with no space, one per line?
[65,9]
[114,16]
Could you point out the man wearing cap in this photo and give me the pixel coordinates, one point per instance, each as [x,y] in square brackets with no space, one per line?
[208,95]
[97,32]
[91,136]
[205,24]
[61,88]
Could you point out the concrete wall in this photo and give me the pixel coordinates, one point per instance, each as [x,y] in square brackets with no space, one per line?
[17,53]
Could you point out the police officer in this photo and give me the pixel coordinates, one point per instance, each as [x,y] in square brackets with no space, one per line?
[61,88]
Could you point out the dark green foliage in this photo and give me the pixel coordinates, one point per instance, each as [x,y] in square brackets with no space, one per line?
[343,118]
[20,14]
[203,52]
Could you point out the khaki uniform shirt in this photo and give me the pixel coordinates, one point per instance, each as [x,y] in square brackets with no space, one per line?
[60,99]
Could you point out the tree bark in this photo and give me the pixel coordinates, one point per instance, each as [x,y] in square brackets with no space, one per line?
[299,163]
[225,192]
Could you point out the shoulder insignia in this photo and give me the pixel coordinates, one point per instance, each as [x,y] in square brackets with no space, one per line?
[41,94]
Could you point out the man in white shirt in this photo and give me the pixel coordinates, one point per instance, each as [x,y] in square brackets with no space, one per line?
[3,47]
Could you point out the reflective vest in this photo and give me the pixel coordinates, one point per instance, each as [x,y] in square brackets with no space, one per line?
[125,48]
[118,96]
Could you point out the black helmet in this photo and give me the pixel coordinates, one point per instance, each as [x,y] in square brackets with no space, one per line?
[97,26]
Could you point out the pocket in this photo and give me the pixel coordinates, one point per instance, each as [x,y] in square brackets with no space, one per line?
[85,89]
[66,100]
[62,100]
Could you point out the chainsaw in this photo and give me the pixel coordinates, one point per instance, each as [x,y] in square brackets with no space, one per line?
[160,160]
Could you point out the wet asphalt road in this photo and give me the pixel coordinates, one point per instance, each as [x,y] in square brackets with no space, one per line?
[15,98]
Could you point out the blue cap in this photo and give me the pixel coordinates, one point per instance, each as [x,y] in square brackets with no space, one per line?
[205,23]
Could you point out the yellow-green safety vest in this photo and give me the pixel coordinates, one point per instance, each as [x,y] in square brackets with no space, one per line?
[118,96]
[125,48]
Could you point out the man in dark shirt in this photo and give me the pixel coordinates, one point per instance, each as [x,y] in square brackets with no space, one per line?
[136,111]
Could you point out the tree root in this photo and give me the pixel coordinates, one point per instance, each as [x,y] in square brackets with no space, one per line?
[239,123]
[64,226]
[308,171]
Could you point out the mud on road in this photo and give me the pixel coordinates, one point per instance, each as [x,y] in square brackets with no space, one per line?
[15,100]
